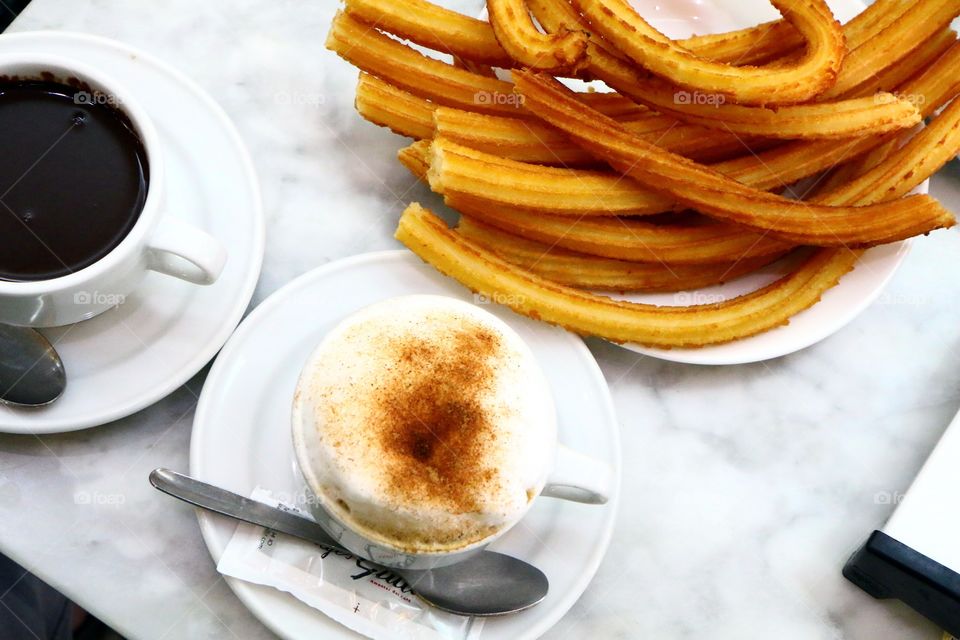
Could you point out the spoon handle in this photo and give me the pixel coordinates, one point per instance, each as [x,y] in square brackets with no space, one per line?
[487,584]
[236,506]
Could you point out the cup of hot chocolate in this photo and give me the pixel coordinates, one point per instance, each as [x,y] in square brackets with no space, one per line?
[82,185]
[425,429]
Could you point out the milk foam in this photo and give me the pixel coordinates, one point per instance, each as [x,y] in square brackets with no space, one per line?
[424,423]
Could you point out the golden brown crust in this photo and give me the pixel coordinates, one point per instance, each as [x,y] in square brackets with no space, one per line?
[847,171]
[753,45]
[770,40]
[435,27]
[814,71]
[473,40]
[366,48]
[627,239]
[603,274]
[562,51]
[456,170]
[474,67]
[712,193]
[894,76]
[388,106]
[484,272]
[935,85]
[525,139]
[536,142]
[531,141]
[838,119]
[487,154]
[363,46]
[494,179]
[922,22]
[620,321]
[929,88]
[905,168]
[416,158]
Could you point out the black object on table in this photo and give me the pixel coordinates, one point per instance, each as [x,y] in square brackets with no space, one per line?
[915,557]
[10,9]
[886,568]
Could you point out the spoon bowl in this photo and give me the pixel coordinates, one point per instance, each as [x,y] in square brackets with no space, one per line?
[31,371]
[486,584]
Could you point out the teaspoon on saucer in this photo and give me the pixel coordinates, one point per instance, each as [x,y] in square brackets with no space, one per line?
[486,584]
[31,371]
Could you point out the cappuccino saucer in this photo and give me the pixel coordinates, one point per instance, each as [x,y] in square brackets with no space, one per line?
[241,432]
[158,337]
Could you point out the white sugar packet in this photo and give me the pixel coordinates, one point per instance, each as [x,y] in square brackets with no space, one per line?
[358,594]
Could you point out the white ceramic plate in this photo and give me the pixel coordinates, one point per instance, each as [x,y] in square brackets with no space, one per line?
[856,291]
[841,304]
[241,432]
[135,354]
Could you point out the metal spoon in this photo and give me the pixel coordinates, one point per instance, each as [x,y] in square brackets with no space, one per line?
[487,584]
[31,372]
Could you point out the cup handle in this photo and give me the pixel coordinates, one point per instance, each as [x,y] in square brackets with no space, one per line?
[579,478]
[183,251]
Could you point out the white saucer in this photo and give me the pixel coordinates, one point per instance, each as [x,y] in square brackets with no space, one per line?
[838,306]
[841,304]
[164,333]
[241,432]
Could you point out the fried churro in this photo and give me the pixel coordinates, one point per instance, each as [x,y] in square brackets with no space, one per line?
[603,274]
[712,193]
[481,270]
[808,76]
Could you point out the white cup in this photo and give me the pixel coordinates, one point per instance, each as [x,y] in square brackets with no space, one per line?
[570,475]
[574,477]
[155,243]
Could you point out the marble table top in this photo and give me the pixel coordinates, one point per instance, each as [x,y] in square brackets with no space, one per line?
[745,488]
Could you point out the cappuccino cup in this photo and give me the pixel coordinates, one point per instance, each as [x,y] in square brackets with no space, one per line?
[425,429]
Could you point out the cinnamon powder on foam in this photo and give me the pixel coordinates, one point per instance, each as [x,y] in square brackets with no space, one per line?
[430,421]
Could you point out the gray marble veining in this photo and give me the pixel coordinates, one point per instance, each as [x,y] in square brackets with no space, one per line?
[745,488]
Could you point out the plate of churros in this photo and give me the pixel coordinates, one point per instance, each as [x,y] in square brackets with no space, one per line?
[694,186]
